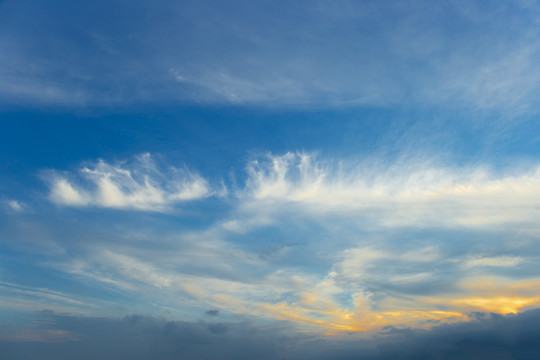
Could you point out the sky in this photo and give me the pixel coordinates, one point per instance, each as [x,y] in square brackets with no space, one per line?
[269,179]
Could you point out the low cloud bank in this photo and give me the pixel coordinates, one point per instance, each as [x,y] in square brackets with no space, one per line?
[139,337]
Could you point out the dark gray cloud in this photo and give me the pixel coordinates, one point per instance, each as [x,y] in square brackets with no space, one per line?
[490,336]
[212,313]
[139,337]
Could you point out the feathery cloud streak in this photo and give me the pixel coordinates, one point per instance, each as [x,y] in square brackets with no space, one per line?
[139,186]
[412,193]
[405,193]
[330,54]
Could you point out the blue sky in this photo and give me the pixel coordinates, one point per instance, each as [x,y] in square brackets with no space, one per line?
[342,176]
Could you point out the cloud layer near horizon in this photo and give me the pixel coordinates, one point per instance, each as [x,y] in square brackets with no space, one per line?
[142,337]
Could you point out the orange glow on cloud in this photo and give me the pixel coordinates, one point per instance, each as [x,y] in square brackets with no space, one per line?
[485,295]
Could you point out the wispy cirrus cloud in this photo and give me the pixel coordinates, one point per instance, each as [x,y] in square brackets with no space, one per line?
[31,298]
[423,54]
[405,193]
[140,185]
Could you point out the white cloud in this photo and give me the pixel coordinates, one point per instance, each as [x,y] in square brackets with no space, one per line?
[372,264]
[406,193]
[64,193]
[134,269]
[495,261]
[139,186]
[14,205]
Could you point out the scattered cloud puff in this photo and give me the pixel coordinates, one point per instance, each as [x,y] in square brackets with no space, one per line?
[13,205]
[140,185]
[495,261]
[213,313]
